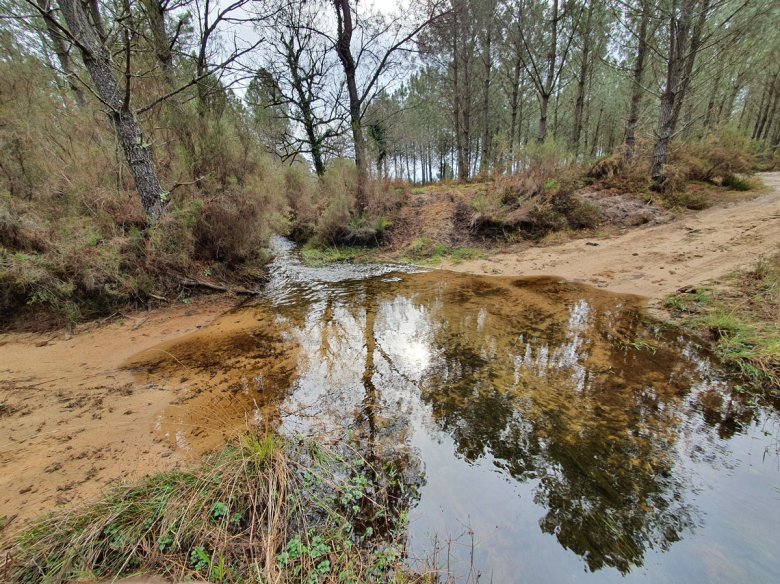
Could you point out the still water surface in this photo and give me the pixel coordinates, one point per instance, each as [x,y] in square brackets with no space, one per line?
[562,436]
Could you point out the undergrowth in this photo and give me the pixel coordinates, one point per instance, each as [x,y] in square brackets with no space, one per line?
[317,257]
[265,509]
[428,252]
[742,319]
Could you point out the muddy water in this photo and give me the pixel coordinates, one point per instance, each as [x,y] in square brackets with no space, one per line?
[563,436]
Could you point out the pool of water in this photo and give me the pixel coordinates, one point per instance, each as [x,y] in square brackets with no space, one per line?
[562,435]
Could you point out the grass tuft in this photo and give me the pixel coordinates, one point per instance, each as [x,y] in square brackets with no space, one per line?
[741,318]
[265,509]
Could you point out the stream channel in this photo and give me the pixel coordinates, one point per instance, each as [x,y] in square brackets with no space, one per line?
[562,435]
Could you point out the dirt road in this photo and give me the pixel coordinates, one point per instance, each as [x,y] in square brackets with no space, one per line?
[655,261]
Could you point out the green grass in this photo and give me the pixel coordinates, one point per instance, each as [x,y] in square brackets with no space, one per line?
[425,251]
[742,320]
[317,257]
[264,509]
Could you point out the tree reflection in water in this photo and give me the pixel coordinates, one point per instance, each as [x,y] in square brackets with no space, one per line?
[564,388]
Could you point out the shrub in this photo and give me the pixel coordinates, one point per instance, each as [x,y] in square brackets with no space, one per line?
[543,218]
[720,156]
[521,187]
[231,228]
[737,183]
[579,214]
[607,167]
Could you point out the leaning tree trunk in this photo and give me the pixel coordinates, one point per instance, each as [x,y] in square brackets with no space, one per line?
[59,48]
[114,96]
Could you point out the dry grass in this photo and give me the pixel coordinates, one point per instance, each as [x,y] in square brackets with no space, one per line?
[265,509]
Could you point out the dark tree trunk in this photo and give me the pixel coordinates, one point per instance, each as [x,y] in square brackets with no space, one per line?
[155,16]
[484,163]
[115,95]
[344,51]
[581,79]
[546,92]
[685,40]
[513,104]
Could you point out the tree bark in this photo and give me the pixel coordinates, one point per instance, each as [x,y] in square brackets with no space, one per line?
[581,79]
[344,51]
[513,104]
[636,89]
[60,50]
[552,55]
[484,162]
[114,94]
[685,39]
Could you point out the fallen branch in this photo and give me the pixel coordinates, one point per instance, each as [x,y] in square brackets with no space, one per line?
[219,288]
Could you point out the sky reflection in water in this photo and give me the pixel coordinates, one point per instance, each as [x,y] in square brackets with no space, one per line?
[560,433]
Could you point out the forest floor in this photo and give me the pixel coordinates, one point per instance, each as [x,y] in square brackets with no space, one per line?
[74,419]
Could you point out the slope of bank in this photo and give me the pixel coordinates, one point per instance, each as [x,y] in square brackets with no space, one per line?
[657,260]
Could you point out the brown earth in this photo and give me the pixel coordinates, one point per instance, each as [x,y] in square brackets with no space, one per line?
[74,418]
[654,260]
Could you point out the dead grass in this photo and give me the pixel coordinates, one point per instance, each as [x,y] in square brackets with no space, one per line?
[264,509]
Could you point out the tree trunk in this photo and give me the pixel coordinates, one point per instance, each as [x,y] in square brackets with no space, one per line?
[637,90]
[344,51]
[484,163]
[114,95]
[60,50]
[155,16]
[596,134]
[513,103]
[580,101]
[685,40]
[552,55]
[544,100]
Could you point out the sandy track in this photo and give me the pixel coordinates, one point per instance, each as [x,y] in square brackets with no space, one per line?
[73,420]
[655,261]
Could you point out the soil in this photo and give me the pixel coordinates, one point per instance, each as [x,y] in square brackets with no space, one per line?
[654,260]
[74,418]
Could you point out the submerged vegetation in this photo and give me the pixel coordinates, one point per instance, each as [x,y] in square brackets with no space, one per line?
[264,509]
[740,316]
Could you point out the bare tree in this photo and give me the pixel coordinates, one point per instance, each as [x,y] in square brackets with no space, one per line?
[381,57]
[301,64]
